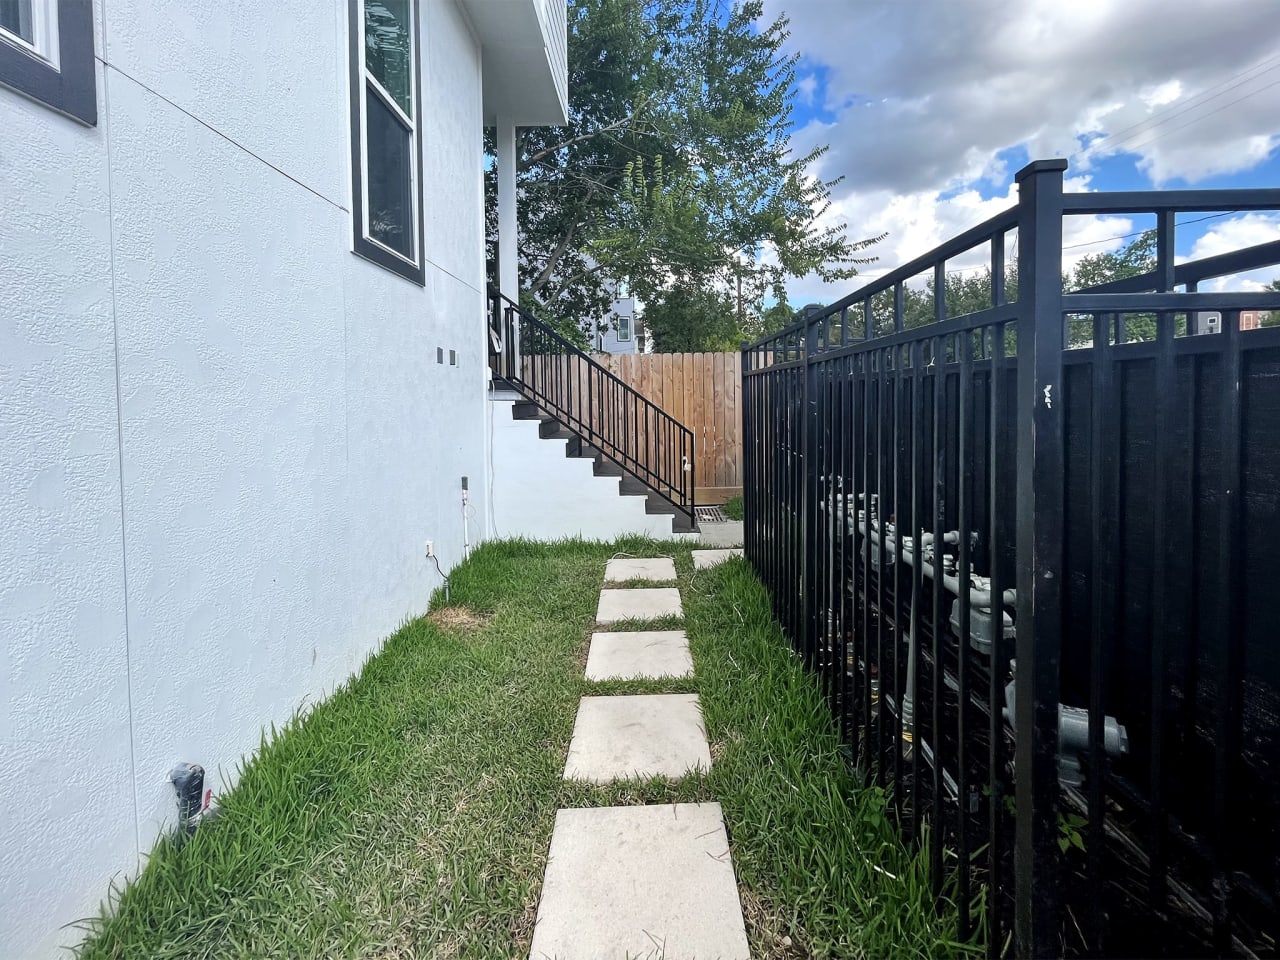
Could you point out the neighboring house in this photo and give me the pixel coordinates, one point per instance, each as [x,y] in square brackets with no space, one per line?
[243,380]
[620,331]
[1210,321]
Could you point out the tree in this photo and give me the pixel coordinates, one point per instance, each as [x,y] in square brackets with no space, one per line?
[675,168]
[772,319]
[1271,318]
[1137,258]
[693,320]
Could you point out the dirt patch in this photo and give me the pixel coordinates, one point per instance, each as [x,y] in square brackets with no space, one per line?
[458,618]
[771,936]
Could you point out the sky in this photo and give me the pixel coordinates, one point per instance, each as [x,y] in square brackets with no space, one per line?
[930,107]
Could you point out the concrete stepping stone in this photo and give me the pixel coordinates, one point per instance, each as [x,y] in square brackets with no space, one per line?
[616,738]
[639,655]
[640,882]
[654,568]
[709,558]
[643,603]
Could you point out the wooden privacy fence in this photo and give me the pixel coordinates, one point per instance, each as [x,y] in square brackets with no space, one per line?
[704,392]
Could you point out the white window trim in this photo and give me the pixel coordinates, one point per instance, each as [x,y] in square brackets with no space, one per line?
[369,81]
[630,328]
[44,29]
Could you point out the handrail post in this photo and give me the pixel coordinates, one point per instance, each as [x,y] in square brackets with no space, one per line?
[1040,556]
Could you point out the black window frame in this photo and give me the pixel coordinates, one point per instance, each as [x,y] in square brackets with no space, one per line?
[362,245]
[71,88]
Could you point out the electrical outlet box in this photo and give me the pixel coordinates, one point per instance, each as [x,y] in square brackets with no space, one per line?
[431,548]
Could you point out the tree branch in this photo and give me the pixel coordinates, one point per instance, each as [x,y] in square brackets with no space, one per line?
[528,162]
[544,274]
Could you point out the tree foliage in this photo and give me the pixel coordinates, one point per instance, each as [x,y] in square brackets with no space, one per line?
[675,169]
[773,319]
[693,320]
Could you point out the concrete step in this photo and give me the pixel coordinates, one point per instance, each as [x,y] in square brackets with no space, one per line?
[554,430]
[607,468]
[581,448]
[680,523]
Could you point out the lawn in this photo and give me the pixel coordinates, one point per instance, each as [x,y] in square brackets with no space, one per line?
[409,814]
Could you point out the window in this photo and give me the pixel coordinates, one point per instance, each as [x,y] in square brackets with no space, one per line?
[386,145]
[624,329]
[46,53]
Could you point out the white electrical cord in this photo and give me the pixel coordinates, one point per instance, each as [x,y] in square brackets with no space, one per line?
[466,534]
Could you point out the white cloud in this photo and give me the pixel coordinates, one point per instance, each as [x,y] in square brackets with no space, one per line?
[1235,234]
[925,94]
[806,87]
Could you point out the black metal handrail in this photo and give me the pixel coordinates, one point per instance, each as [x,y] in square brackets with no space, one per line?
[604,411]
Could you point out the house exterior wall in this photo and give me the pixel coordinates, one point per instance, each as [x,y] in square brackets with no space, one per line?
[225,437]
[606,338]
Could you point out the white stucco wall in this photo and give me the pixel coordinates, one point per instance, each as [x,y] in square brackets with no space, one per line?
[540,493]
[224,438]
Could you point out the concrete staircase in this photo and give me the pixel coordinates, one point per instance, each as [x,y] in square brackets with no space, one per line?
[550,483]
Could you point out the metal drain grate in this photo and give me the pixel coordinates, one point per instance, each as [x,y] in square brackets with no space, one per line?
[710,515]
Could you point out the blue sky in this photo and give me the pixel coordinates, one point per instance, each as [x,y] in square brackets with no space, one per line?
[930,107]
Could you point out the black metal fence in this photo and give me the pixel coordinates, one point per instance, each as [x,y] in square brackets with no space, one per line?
[1031,551]
[607,413]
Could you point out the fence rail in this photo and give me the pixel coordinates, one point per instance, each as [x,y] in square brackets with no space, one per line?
[606,413]
[1028,552]
[704,392]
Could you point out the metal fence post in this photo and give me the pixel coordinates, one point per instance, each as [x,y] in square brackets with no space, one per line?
[747,453]
[1040,507]
[808,496]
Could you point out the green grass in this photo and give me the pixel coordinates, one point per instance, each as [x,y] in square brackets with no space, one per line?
[733,508]
[409,814]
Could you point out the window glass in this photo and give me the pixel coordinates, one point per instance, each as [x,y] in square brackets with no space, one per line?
[388,48]
[390,174]
[624,328]
[15,16]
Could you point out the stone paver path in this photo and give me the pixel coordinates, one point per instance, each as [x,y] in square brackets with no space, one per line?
[644,603]
[639,655]
[658,569]
[632,882]
[721,534]
[653,882]
[616,738]
[709,558]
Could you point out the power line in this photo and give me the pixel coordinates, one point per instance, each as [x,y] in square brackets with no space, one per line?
[1165,133]
[1198,100]
[1138,233]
